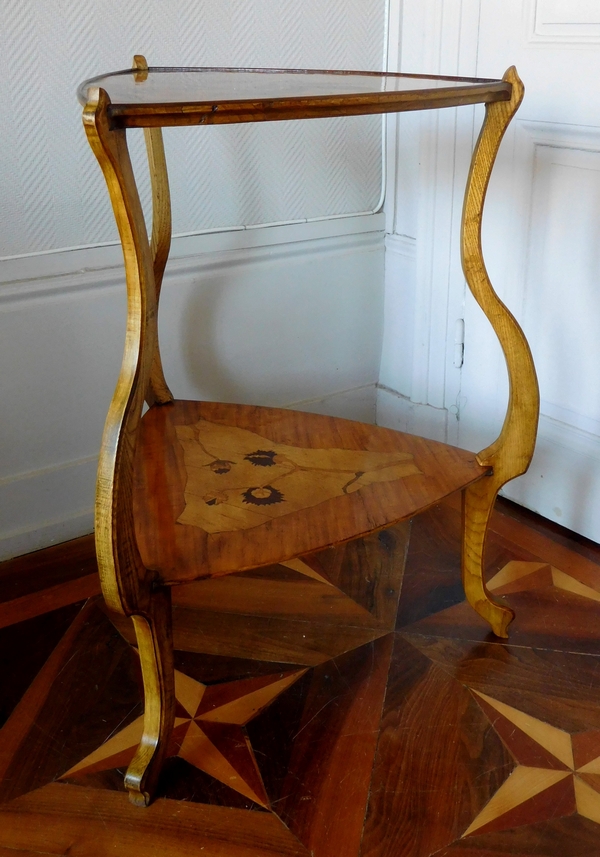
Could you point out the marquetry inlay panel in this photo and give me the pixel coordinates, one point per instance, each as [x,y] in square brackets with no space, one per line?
[237,479]
[219,488]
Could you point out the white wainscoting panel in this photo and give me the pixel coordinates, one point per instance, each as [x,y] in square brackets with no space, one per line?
[420,384]
[540,242]
[294,317]
[398,349]
[576,21]
[562,293]
[395,408]
[53,195]
[550,281]
[278,326]
[562,308]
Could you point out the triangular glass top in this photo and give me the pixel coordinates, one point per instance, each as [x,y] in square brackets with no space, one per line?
[190,96]
[196,85]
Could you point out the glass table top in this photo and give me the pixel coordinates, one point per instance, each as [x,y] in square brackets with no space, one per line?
[196,95]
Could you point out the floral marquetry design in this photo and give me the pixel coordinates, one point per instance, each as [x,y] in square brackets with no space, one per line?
[237,479]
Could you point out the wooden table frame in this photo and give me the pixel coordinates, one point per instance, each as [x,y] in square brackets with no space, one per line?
[129,587]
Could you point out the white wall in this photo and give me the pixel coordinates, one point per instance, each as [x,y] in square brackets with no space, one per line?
[428,155]
[54,195]
[540,242]
[274,315]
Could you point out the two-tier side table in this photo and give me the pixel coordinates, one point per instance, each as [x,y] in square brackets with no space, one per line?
[189,490]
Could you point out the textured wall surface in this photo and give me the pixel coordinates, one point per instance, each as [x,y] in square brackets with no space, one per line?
[286,315]
[52,193]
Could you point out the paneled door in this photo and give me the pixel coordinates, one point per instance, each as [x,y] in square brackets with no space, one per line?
[542,245]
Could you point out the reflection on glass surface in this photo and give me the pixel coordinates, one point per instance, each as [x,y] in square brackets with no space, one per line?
[164,86]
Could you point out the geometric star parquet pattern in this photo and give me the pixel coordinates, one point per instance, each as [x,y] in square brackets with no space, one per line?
[312,721]
[531,576]
[209,732]
[280,679]
[557,774]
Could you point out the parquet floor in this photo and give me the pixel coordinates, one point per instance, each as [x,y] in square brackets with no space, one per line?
[349,704]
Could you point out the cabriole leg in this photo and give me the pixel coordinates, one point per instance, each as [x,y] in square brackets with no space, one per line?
[510,454]
[155,642]
[478,503]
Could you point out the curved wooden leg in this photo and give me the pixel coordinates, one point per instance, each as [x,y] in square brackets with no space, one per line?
[478,503]
[158,392]
[155,641]
[510,454]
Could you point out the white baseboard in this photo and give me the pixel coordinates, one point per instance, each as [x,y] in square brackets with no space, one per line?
[53,533]
[397,412]
[47,506]
[359,403]
[563,481]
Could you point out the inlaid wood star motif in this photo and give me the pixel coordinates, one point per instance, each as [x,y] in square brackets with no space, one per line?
[557,774]
[518,576]
[209,731]
[302,568]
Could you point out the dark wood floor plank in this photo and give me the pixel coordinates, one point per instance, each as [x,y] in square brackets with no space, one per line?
[279,614]
[52,598]
[11,852]
[461,850]
[325,793]
[555,532]
[545,547]
[43,569]
[432,578]
[83,822]
[564,837]
[25,649]
[554,686]
[211,669]
[273,734]
[86,690]
[438,761]
[556,801]
[264,638]
[370,570]
[297,599]
[16,730]
[545,619]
